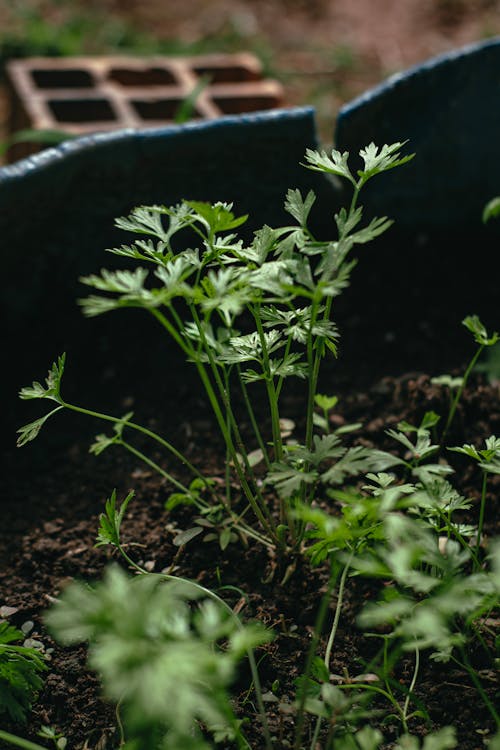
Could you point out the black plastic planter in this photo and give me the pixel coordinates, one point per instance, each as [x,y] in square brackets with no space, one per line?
[437,264]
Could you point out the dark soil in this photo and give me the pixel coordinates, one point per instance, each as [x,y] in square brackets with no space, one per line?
[55,490]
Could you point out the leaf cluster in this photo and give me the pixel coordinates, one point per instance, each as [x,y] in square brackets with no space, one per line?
[165,655]
[21,668]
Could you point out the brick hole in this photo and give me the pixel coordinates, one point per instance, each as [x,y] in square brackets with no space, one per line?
[71,78]
[226,74]
[160,109]
[147,77]
[234,105]
[81,110]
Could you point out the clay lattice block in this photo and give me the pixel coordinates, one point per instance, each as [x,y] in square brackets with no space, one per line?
[82,95]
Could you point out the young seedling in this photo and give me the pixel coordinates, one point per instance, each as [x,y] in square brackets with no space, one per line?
[284,283]
[483,339]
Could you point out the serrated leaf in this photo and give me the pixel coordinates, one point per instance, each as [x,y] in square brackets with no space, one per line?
[380,160]
[218,217]
[336,163]
[52,387]
[30,431]
[185,536]
[298,207]
[478,330]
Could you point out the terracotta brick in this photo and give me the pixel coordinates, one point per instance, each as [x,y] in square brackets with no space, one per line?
[82,95]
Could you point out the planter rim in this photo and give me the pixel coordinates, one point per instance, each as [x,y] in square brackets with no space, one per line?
[88,143]
[415,71]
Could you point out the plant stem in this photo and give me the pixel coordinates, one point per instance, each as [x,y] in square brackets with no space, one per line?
[459,392]
[258,506]
[149,462]
[212,595]
[141,429]
[250,654]
[253,420]
[254,497]
[12,739]
[271,390]
[318,629]
[338,608]
[480,524]
[477,684]
[331,638]
[410,689]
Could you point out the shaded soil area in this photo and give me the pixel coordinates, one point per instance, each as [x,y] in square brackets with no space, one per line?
[55,491]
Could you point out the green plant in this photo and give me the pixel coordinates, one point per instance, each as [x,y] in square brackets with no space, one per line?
[21,668]
[257,315]
[158,657]
[280,290]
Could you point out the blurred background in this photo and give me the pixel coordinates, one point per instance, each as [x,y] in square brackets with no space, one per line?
[322,52]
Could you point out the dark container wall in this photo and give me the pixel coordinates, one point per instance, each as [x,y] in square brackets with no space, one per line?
[409,292]
[57,212]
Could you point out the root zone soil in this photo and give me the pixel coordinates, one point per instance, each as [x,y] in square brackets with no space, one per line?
[55,491]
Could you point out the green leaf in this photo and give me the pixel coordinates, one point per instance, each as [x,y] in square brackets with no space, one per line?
[52,383]
[448,381]
[366,738]
[336,163]
[327,403]
[288,479]
[20,674]
[111,520]
[319,670]
[184,537]
[491,210]
[377,161]
[375,228]
[217,217]
[144,220]
[467,450]
[443,739]
[475,326]
[30,431]
[298,207]
[155,653]
[102,441]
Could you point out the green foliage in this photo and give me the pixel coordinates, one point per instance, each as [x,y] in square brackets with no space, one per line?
[158,655]
[474,325]
[257,315]
[20,673]
[249,315]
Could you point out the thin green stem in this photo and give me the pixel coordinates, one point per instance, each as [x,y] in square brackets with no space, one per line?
[271,390]
[119,723]
[139,428]
[331,638]
[258,506]
[318,629]
[477,684]
[212,595]
[172,331]
[410,689]
[480,524]
[338,608]
[281,378]
[458,395]
[313,365]
[156,467]
[227,473]
[253,419]
[12,739]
